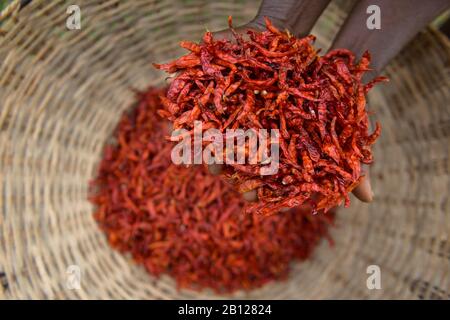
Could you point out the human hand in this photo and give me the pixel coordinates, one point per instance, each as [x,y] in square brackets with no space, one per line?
[241,30]
[402,20]
[363,191]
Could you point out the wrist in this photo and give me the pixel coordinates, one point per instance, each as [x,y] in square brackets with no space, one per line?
[259,23]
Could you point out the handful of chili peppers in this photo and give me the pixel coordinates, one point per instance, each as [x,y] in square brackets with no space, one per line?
[274,80]
[186,223]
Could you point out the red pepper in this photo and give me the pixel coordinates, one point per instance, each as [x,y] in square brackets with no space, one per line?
[184,222]
[320,100]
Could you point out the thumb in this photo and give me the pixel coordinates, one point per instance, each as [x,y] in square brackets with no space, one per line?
[364,190]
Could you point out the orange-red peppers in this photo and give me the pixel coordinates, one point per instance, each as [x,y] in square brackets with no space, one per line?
[186,223]
[276,81]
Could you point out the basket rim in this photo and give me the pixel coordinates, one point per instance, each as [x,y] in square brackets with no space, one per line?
[10,10]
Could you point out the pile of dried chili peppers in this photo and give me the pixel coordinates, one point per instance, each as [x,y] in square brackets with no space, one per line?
[186,223]
[274,80]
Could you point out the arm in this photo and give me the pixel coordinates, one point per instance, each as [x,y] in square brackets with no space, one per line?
[298,16]
[400,21]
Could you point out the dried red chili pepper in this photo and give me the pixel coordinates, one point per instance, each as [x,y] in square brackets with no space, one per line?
[317,102]
[186,223]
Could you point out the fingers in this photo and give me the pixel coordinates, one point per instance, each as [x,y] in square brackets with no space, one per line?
[250,196]
[223,34]
[170,78]
[364,190]
[304,208]
[215,169]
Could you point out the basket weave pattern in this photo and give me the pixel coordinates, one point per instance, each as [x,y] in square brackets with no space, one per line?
[62,93]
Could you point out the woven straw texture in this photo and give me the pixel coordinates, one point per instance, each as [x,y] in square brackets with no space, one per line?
[62,93]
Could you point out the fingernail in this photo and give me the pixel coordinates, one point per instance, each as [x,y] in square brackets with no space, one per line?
[250,196]
[215,169]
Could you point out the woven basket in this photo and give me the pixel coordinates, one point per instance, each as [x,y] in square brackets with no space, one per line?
[62,92]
